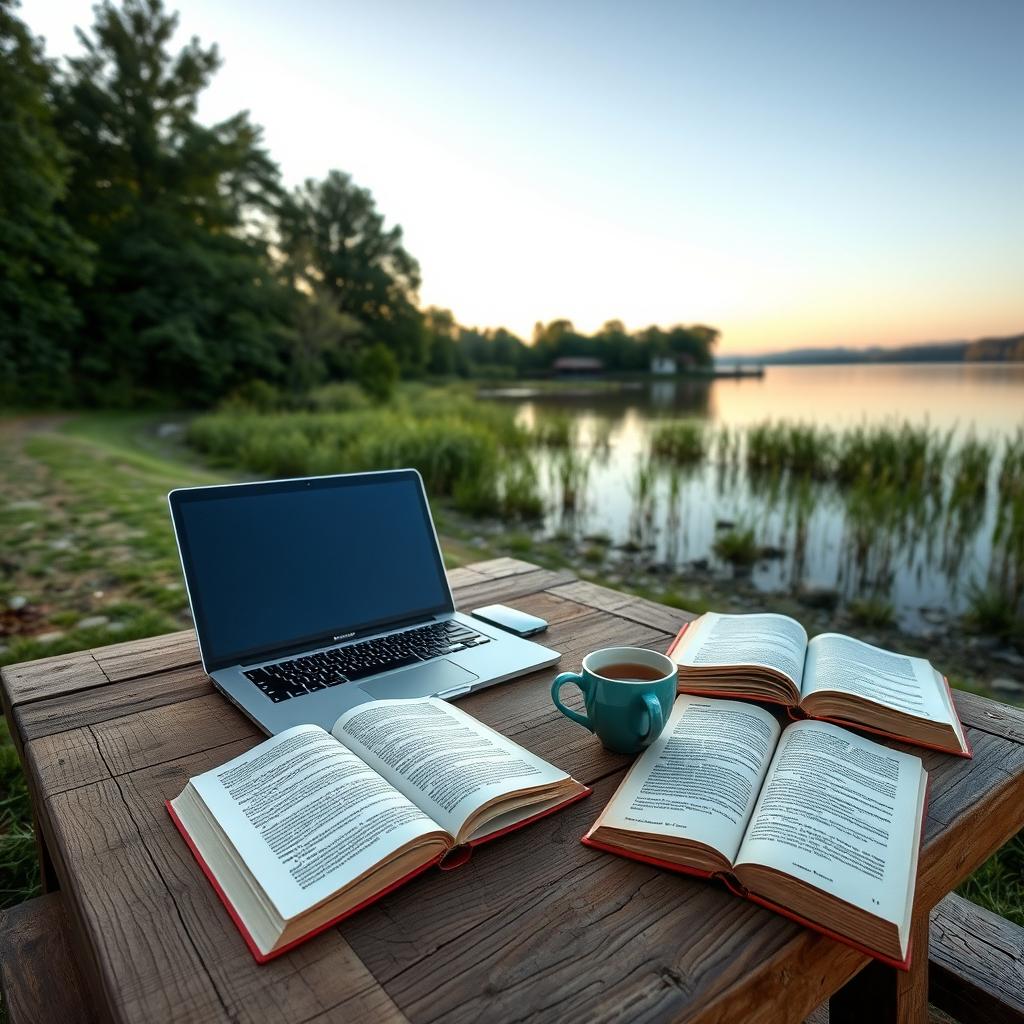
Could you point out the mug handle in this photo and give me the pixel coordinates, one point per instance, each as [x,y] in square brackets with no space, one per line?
[656,720]
[572,677]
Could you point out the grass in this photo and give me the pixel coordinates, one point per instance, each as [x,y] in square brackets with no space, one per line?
[737,546]
[871,611]
[998,884]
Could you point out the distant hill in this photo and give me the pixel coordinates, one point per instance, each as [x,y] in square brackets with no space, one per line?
[983,350]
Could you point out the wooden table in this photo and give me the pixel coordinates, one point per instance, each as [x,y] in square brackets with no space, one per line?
[535,927]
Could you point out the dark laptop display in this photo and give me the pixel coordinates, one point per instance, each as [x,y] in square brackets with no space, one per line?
[274,568]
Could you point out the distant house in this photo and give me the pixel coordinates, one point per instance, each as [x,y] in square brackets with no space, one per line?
[666,366]
[577,366]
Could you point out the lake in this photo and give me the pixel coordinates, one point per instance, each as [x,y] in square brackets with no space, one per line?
[921,553]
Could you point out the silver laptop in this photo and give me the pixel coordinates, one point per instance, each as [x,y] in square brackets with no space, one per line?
[310,596]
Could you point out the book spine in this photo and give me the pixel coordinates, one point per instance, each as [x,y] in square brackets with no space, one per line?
[258,956]
[734,886]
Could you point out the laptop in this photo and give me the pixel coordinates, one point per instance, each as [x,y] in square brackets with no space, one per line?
[310,596]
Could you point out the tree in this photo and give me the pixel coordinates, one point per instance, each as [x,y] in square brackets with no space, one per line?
[40,255]
[336,241]
[184,301]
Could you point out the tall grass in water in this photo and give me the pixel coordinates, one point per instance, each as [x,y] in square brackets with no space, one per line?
[680,441]
[570,469]
[643,492]
[1006,573]
[901,454]
[797,447]
[554,431]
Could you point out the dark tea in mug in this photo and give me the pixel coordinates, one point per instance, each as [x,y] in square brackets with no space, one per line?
[630,672]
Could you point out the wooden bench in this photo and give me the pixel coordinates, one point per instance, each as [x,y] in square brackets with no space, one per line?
[38,976]
[975,963]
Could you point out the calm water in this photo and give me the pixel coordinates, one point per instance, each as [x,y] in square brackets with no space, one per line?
[924,562]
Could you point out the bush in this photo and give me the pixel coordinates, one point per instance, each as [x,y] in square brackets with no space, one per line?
[738,547]
[341,396]
[376,371]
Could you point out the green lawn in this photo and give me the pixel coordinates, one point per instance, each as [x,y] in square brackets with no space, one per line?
[89,559]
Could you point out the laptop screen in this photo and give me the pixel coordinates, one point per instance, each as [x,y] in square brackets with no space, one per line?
[273,566]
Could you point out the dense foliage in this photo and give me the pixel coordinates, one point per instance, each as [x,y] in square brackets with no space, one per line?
[148,257]
[41,258]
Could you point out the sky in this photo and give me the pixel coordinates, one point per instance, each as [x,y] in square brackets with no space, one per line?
[832,172]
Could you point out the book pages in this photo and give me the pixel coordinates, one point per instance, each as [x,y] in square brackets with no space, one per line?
[910,685]
[839,812]
[307,816]
[700,778]
[442,759]
[772,641]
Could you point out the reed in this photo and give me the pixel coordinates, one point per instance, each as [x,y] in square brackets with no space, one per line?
[799,448]
[970,465]
[554,431]
[680,441]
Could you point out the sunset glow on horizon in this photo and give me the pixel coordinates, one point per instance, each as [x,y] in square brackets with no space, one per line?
[793,175]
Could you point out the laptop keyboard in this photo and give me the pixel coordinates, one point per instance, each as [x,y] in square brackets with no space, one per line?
[313,672]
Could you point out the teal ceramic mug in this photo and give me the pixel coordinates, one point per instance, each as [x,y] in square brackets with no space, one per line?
[626,708]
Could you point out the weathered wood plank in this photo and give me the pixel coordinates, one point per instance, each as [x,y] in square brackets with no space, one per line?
[169,733]
[50,677]
[990,716]
[37,969]
[90,707]
[497,568]
[463,576]
[323,979]
[976,963]
[65,761]
[135,658]
[129,930]
[509,588]
[626,606]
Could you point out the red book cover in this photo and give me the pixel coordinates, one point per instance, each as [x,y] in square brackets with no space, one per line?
[262,958]
[796,713]
[732,884]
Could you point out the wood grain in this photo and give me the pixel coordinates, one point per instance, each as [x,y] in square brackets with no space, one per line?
[50,677]
[322,977]
[626,606]
[536,926]
[136,658]
[977,964]
[90,707]
[65,761]
[38,975]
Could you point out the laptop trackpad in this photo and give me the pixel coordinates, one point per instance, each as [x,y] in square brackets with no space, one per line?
[433,677]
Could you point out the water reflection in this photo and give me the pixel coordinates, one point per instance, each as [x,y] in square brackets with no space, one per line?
[921,527]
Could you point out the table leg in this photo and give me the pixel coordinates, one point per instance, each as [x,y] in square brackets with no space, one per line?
[47,875]
[882,995]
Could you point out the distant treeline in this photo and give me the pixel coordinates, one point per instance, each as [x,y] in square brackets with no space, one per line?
[147,257]
[1010,349]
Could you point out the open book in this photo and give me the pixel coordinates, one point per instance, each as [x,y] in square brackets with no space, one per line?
[833,677]
[812,821]
[310,826]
